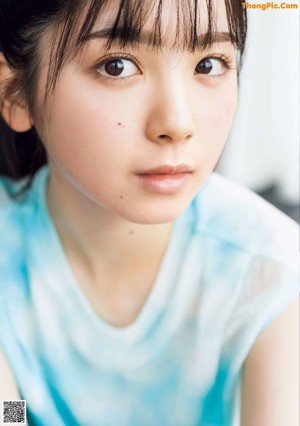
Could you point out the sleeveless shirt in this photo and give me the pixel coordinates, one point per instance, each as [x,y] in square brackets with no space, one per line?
[231,267]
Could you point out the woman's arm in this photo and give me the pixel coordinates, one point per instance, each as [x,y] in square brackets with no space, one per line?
[8,387]
[270,389]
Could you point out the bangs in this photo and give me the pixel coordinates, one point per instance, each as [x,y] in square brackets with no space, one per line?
[194,21]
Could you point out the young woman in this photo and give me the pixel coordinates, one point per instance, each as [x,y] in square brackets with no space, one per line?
[137,286]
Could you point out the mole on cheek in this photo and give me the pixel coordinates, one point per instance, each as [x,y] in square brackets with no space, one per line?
[121,196]
[121,124]
[131,232]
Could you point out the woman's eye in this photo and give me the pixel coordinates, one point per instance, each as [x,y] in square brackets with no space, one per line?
[211,66]
[118,67]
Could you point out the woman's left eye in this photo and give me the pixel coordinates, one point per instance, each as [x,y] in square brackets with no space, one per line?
[118,68]
[212,66]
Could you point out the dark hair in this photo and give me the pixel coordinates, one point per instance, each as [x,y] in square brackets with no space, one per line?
[23,23]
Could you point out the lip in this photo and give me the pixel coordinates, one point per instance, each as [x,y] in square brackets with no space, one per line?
[166,179]
[168,170]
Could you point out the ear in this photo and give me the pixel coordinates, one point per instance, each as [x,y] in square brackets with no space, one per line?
[15,114]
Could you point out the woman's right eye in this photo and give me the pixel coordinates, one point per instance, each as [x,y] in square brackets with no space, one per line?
[118,68]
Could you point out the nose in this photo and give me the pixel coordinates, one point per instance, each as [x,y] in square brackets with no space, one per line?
[170,118]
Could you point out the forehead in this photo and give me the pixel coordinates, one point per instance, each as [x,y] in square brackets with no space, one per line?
[177,23]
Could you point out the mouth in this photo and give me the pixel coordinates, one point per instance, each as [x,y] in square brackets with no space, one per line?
[168,170]
[166,179]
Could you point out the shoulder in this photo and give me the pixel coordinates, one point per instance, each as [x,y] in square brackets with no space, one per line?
[234,215]
[15,214]
[250,251]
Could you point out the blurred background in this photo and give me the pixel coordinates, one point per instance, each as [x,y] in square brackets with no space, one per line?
[263,148]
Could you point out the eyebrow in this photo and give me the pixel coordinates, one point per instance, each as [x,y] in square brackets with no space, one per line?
[147,37]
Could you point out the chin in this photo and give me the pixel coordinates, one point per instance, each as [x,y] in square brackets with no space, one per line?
[157,214]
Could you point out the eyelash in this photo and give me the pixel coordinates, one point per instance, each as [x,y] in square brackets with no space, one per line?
[226,61]
[112,57]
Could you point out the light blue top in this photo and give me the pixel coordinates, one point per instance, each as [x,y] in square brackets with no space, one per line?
[230,268]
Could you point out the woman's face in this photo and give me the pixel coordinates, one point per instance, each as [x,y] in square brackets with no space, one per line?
[116,115]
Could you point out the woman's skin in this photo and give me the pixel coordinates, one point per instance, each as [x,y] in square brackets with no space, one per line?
[102,131]
[99,134]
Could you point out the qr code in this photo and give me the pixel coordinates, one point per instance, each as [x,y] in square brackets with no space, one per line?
[14,412]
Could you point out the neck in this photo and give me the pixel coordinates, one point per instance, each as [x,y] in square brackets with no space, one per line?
[100,240]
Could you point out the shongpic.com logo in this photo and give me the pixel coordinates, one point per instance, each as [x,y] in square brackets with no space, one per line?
[270,5]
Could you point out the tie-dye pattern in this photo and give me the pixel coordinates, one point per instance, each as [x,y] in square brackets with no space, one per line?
[231,267]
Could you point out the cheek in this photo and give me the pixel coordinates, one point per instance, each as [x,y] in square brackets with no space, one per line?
[217,118]
[80,131]
[223,118]
[214,123]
